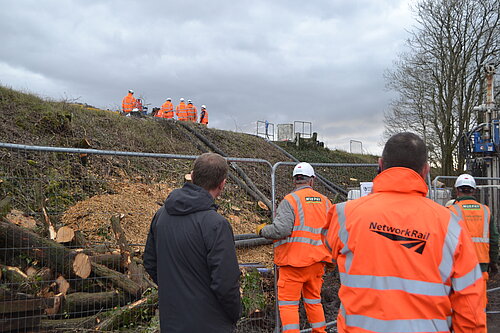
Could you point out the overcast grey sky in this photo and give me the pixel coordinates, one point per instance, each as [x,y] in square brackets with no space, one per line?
[282,60]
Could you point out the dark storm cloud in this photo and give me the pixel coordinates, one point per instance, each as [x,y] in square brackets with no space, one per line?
[319,61]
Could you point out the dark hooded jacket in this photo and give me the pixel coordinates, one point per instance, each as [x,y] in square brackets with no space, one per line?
[190,254]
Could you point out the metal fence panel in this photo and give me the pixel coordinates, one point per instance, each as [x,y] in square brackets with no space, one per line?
[83,190]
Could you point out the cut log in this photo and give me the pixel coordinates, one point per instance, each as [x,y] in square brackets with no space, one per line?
[26,305]
[86,304]
[15,241]
[69,324]
[65,234]
[43,274]
[117,279]
[62,285]
[132,313]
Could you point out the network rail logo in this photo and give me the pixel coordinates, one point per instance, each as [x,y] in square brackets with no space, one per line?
[409,238]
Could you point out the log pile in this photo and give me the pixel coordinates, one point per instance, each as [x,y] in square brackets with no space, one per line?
[52,280]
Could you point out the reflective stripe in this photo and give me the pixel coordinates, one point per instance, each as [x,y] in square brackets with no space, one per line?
[486,224]
[298,240]
[467,280]
[280,303]
[318,325]
[394,283]
[317,231]
[480,240]
[312,300]
[300,209]
[291,327]
[344,235]
[449,247]
[328,246]
[393,326]
[458,208]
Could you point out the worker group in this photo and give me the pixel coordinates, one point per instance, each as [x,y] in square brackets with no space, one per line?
[183,111]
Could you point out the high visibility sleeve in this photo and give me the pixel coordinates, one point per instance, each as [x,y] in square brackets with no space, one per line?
[467,289]
[331,238]
[283,222]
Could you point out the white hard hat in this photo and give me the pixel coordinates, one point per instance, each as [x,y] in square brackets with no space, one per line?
[203,107]
[169,99]
[303,168]
[131,91]
[189,101]
[465,180]
[182,99]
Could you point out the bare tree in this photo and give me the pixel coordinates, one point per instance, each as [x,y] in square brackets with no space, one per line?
[438,79]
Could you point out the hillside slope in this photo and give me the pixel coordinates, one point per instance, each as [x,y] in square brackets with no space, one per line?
[62,183]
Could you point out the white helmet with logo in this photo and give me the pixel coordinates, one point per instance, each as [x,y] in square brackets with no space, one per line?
[303,168]
[465,180]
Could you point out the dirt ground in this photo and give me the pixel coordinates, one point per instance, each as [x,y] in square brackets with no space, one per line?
[138,203]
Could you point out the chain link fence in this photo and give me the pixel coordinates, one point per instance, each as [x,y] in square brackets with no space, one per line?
[72,241]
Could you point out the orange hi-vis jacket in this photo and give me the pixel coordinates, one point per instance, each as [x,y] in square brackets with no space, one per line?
[128,103]
[477,221]
[192,113]
[204,117]
[181,112]
[406,263]
[304,246]
[166,111]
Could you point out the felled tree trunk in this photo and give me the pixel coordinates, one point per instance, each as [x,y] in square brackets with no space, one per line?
[85,304]
[15,241]
[117,279]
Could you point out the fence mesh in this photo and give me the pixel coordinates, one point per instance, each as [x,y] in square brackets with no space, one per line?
[63,265]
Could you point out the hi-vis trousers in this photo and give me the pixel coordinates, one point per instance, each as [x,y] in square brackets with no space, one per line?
[294,281]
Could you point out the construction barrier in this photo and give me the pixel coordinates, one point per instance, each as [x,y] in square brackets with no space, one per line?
[71,244]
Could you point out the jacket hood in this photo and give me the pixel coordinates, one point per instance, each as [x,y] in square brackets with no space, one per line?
[399,179]
[189,199]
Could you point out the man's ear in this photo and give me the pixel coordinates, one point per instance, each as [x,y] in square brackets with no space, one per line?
[222,184]
[425,170]
[380,163]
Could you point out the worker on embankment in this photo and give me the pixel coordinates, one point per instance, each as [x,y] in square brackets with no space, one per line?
[406,264]
[299,251]
[204,115]
[482,229]
[129,102]
[166,110]
[190,254]
[181,111]
[192,111]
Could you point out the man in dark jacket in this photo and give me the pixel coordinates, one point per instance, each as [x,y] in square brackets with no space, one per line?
[190,254]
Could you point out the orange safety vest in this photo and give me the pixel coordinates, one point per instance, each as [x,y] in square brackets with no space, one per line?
[181,112]
[192,113]
[477,221]
[128,103]
[204,117]
[167,110]
[404,261]
[304,246]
